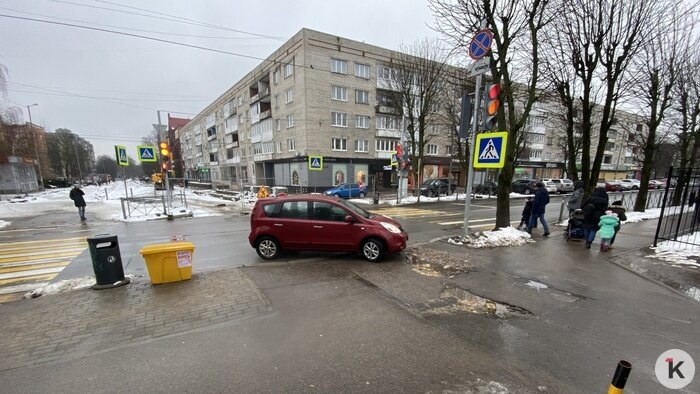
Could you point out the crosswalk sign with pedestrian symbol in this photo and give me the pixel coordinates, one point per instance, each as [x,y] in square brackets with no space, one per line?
[316,163]
[122,159]
[490,150]
[147,153]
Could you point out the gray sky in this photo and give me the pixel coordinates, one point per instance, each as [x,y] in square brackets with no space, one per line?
[130,78]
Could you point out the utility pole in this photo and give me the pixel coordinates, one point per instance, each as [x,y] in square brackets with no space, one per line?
[77,160]
[36,151]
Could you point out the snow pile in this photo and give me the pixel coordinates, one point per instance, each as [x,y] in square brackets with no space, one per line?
[636,217]
[536,285]
[682,252]
[61,286]
[505,236]
[4,224]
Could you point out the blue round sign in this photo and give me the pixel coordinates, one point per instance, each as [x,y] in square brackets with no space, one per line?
[480,44]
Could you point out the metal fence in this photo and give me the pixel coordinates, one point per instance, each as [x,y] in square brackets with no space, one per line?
[144,206]
[679,221]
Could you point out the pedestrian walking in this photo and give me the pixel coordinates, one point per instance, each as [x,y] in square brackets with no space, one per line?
[576,197]
[617,208]
[538,207]
[76,194]
[593,208]
[527,212]
[607,225]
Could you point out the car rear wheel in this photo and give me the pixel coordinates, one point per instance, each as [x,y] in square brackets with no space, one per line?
[528,191]
[362,195]
[268,248]
[373,250]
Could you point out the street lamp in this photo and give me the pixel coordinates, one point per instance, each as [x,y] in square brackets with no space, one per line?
[36,151]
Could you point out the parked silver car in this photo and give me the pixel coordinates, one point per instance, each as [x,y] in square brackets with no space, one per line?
[563,185]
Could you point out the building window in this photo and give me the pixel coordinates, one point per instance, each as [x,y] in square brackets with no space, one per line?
[362,70]
[276,76]
[290,121]
[362,121]
[339,93]
[361,96]
[610,146]
[535,154]
[432,149]
[277,101]
[340,144]
[339,119]
[386,122]
[385,145]
[290,95]
[548,156]
[448,150]
[291,144]
[361,146]
[288,70]
[339,66]
[607,159]
[278,124]
[550,141]
[279,147]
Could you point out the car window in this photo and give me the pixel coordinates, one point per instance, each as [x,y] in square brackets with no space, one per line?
[294,210]
[329,212]
[272,210]
[354,186]
[556,180]
[354,208]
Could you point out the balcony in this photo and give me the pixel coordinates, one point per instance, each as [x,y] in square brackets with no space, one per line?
[233,144]
[383,109]
[388,133]
[383,155]
[265,114]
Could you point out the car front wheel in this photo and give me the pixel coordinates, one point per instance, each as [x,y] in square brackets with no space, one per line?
[336,195]
[268,248]
[373,250]
[528,191]
[362,195]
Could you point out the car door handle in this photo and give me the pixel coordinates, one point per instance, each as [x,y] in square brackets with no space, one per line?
[279,225]
[318,226]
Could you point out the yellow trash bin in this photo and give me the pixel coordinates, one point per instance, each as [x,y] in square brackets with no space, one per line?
[169,262]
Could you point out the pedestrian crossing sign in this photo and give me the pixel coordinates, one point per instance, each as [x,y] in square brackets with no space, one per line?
[316,163]
[147,153]
[122,159]
[490,150]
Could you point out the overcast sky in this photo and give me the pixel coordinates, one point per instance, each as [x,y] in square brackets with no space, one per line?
[124,80]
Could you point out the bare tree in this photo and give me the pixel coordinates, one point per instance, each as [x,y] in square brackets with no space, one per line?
[415,86]
[656,71]
[590,47]
[515,59]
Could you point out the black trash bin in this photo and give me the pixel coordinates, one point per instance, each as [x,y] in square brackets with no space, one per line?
[106,261]
[376,197]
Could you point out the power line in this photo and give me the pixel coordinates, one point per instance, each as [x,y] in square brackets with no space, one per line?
[132,35]
[172,18]
[133,29]
[98,97]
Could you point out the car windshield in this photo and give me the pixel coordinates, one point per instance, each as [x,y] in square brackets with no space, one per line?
[354,208]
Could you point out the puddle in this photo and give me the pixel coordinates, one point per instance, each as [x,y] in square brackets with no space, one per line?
[454,299]
[435,263]
[558,294]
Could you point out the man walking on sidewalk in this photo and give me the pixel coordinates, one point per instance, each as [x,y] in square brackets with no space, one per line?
[77,196]
[538,207]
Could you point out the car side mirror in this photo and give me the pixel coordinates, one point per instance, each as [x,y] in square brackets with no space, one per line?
[349,219]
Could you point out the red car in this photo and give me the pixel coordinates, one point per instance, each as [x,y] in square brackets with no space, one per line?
[318,222]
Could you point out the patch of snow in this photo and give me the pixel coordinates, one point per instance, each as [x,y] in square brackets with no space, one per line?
[61,286]
[4,224]
[536,285]
[682,252]
[505,236]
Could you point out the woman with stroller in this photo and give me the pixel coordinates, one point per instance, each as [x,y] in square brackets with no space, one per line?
[576,197]
[593,208]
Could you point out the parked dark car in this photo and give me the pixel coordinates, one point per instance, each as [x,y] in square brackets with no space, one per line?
[436,187]
[318,222]
[524,186]
[488,187]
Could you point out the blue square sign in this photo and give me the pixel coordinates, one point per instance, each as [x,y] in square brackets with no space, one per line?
[490,150]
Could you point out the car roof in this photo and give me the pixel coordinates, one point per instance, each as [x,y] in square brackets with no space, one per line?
[300,197]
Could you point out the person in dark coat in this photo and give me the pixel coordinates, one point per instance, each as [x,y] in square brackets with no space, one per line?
[576,198]
[593,208]
[538,206]
[527,212]
[77,196]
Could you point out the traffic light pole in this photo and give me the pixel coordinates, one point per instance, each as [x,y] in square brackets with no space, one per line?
[471,150]
[165,176]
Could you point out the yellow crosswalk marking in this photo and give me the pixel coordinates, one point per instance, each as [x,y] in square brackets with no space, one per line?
[404,212]
[26,265]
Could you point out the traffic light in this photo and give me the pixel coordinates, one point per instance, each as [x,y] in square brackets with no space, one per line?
[491,104]
[164,150]
[465,115]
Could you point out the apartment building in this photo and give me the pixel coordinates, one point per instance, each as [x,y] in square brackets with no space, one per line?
[318,99]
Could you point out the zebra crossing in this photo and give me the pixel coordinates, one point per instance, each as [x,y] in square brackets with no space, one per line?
[406,212]
[443,218]
[27,265]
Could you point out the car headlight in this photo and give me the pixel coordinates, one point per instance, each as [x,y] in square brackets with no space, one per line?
[328,193]
[391,228]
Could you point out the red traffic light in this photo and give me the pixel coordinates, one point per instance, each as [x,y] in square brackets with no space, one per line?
[492,103]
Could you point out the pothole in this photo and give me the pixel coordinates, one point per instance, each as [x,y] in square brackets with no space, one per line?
[430,262]
[558,294]
[454,300]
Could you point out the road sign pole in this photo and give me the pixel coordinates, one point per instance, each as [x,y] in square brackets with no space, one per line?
[471,150]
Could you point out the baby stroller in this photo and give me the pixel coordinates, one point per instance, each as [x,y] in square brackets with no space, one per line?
[574,230]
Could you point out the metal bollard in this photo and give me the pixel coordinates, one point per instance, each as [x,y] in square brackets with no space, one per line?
[622,372]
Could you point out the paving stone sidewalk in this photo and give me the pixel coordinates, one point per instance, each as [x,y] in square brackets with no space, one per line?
[81,322]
